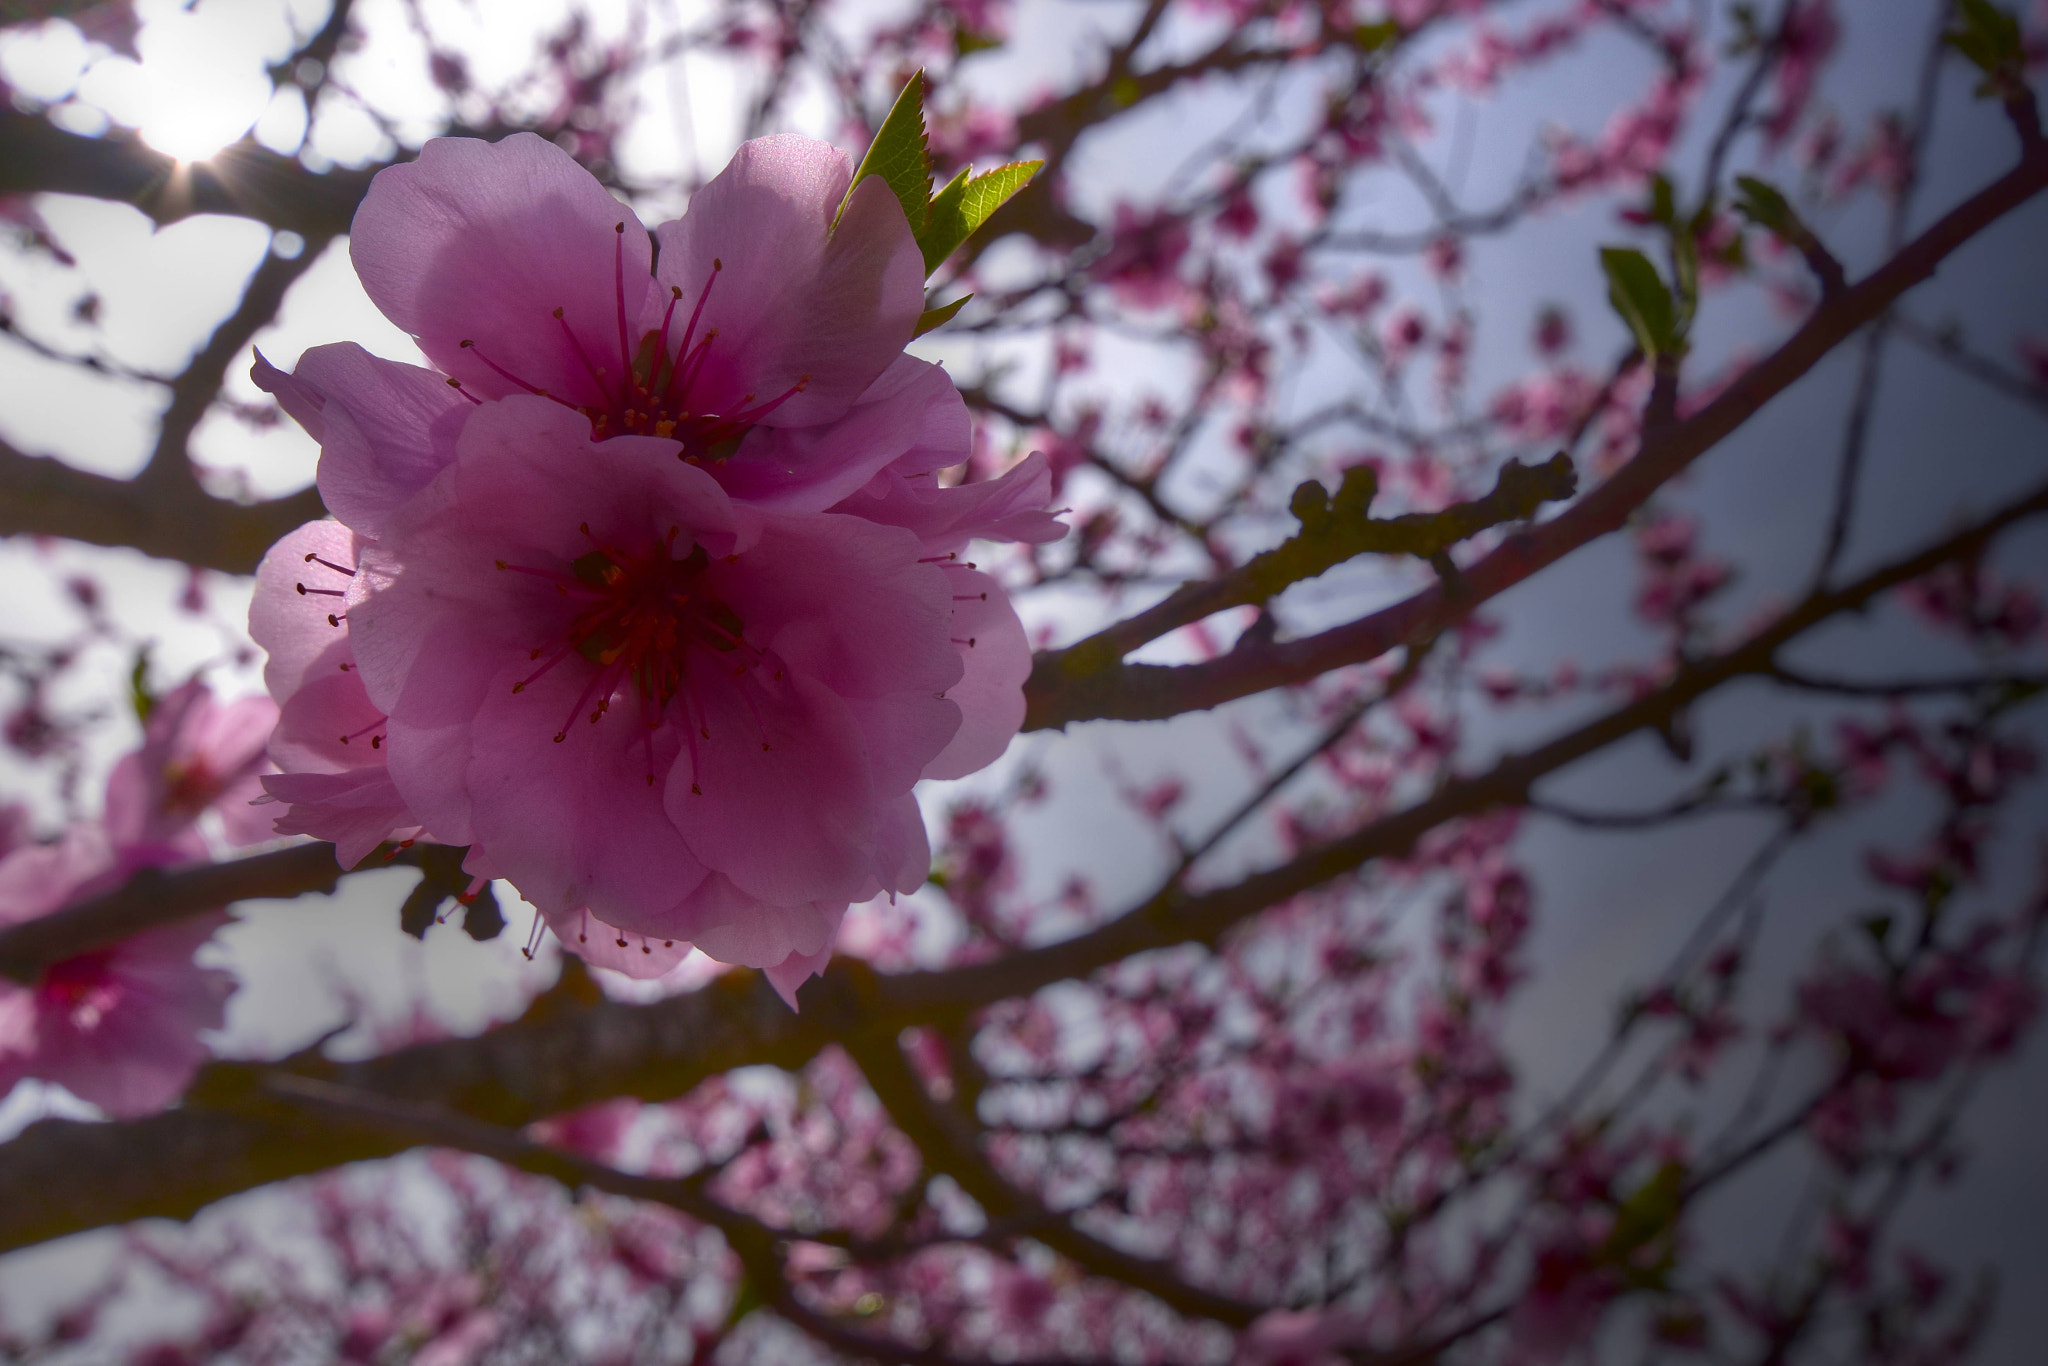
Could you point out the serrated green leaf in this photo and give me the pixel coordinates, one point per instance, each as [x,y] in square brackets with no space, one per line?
[940,316]
[899,157]
[941,214]
[965,204]
[1639,296]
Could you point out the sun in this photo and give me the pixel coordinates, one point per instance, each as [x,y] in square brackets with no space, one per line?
[203,84]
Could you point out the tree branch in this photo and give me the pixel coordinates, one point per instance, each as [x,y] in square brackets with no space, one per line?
[1332,533]
[573,1048]
[947,1139]
[1066,687]
[155,897]
[45,497]
[246,180]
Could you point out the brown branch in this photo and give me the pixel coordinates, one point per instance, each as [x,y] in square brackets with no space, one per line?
[949,1144]
[572,1048]
[195,389]
[1065,688]
[1172,916]
[163,511]
[246,180]
[46,497]
[157,897]
[1332,533]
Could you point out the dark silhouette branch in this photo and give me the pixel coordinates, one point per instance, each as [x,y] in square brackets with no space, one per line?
[45,497]
[246,180]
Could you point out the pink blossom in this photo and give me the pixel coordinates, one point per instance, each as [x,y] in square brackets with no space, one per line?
[117,1026]
[547,575]
[329,741]
[771,591]
[761,316]
[782,680]
[1300,1337]
[1562,1305]
[197,754]
[1142,264]
[595,1131]
[330,738]
[1808,39]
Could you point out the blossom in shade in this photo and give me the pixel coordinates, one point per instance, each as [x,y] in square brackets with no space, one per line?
[119,1025]
[197,754]
[771,310]
[696,719]
[1301,1337]
[666,654]
[329,740]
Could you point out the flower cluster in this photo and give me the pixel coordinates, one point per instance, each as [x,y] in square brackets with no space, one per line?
[119,1025]
[650,594]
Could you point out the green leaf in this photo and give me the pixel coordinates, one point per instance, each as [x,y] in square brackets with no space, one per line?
[965,204]
[746,1298]
[966,41]
[1762,204]
[940,316]
[1685,266]
[1988,36]
[899,157]
[1663,200]
[139,695]
[1639,296]
[1648,1213]
[1373,37]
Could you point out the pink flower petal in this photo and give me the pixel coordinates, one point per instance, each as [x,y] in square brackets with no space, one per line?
[484,241]
[576,824]
[790,303]
[292,626]
[638,956]
[357,810]
[385,429]
[991,694]
[778,797]
[910,417]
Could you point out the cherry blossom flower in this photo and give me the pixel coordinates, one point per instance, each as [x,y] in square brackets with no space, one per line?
[761,570]
[780,680]
[1808,39]
[117,1026]
[329,740]
[761,318]
[197,754]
